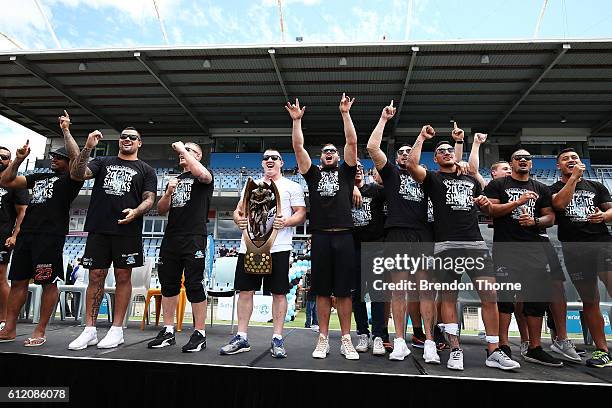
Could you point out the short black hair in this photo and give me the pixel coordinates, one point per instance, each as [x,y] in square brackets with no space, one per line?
[132,128]
[328,144]
[440,143]
[520,148]
[567,150]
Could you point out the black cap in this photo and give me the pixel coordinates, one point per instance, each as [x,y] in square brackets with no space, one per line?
[61,152]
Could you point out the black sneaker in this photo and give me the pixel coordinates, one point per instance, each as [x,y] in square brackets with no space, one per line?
[440,340]
[600,359]
[506,349]
[196,342]
[539,356]
[162,340]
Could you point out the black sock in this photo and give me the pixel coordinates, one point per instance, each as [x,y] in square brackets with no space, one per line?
[418,331]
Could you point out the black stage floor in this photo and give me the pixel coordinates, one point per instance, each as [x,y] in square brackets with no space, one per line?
[300,370]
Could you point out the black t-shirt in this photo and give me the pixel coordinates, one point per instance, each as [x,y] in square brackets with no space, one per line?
[506,189]
[369,219]
[573,224]
[49,208]
[455,214]
[119,184]
[10,197]
[406,200]
[189,206]
[331,195]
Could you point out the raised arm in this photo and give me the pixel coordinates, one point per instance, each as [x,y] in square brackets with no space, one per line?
[378,156]
[69,143]
[9,177]
[350,134]
[79,170]
[562,199]
[195,166]
[417,172]
[458,135]
[474,160]
[164,203]
[148,199]
[297,137]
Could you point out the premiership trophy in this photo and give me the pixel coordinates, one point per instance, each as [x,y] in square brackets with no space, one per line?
[259,236]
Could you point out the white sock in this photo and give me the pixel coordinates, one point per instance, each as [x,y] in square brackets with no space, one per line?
[117,328]
[242,334]
[90,329]
[169,328]
[492,339]
[398,339]
[277,336]
[202,332]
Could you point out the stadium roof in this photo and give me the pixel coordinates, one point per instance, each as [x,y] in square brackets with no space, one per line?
[498,87]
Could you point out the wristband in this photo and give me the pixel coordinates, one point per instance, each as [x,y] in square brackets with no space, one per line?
[459,141]
[537,221]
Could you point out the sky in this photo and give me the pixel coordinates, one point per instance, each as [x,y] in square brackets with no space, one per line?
[130,23]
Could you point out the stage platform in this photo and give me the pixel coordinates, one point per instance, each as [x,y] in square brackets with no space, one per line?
[132,372]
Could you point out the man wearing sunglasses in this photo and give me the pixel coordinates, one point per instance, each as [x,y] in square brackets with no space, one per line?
[40,244]
[583,207]
[13,204]
[124,191]
[455,197]
[521,208]
[293,213]
[183,249]
[330,192]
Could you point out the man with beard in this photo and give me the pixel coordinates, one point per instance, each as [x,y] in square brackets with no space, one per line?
[521,208]
[583,207]
[40,244]
[330,191]
[13,204]
[183,249]
[124,191]
[454,197]
[293,212]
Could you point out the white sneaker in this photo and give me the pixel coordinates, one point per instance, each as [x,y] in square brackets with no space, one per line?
[2,324]
[364,343]
[455,361]
[524,348]
[430,353]
[314,328]
[499,359]
[322,349]
[400,350]
[89,337]
[113,338]
[347,349]
[378,348]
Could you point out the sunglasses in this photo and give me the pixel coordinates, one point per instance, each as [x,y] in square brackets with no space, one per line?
[56,156]
[274,157]
[519,157]
[359,166]
[402,151]
[131,137]
[444,150]
[3,157]
[332,151]
[189,149]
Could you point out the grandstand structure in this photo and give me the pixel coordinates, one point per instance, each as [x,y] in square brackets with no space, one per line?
[541,95]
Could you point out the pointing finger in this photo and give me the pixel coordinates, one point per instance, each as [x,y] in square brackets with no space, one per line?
[391,105]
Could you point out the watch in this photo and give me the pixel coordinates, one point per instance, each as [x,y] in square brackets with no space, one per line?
[537,221]
[459,141]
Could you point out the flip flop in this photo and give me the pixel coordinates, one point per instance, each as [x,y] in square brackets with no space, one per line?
[34,341]
[7,340]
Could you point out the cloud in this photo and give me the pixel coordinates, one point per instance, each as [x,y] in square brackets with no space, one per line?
[13,136]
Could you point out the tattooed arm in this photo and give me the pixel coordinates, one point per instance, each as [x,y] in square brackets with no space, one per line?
[79,170]
[148,199]
[417,172]
[69,143]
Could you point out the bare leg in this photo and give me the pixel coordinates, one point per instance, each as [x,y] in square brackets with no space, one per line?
[592,313]
[47,306]
[94,294]
[399,304]
[345,309]
[535,330]
[279,311]
[490,314]
[245,309]
[428,307]
[323,312]
[17,297]
[4,291]
[168,309]
[123,293]
[558,309]
[448,309]
[504,327]
[521,322]
[199,314]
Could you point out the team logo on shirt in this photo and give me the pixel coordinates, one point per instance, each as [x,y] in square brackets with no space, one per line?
[118,180]
[362,215]
[581,206]
[130,260]
[43,190]
[329,184]
[3,192]
[430,214]
[199,254]
[459,194]
[514,194]
[182,194]
[409,189]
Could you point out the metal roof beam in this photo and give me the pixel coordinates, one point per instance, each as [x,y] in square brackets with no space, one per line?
[530,88]
[150,67]
[38,73]
[415,50]
[29,115]
[272,53]
[601,126]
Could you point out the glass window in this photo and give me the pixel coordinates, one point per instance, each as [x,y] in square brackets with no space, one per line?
[226,145]
[158,226]
[250,145]
[226,229]
[148,226]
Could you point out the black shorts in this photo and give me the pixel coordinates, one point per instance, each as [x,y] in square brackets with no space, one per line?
[585,260]
[5,252]
[332,257]
[178,254]
[554,264]
[452,271]
[124,252]
[418,241]
[38,257]
[277,282]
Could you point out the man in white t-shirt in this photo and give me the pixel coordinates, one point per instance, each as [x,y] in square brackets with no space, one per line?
[293,212]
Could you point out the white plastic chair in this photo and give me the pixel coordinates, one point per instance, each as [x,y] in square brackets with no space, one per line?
[141,281]
[82,289]
[222,283]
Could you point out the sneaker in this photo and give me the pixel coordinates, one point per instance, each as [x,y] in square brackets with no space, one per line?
[566,349]
[506,349]
[196,342]
[364,343]
[580,352]
[306,326]
[524,348]
[418,341]
[430,353]
[277,348]
[440,340]
[500,359]
[2,324]
[455,361]
[600,359]
[539,356]
[347,349]
[164,338]
[237,344]
[113,338]
[400,350]
[322,349]
[378,347]
[89,337]
[314,328]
